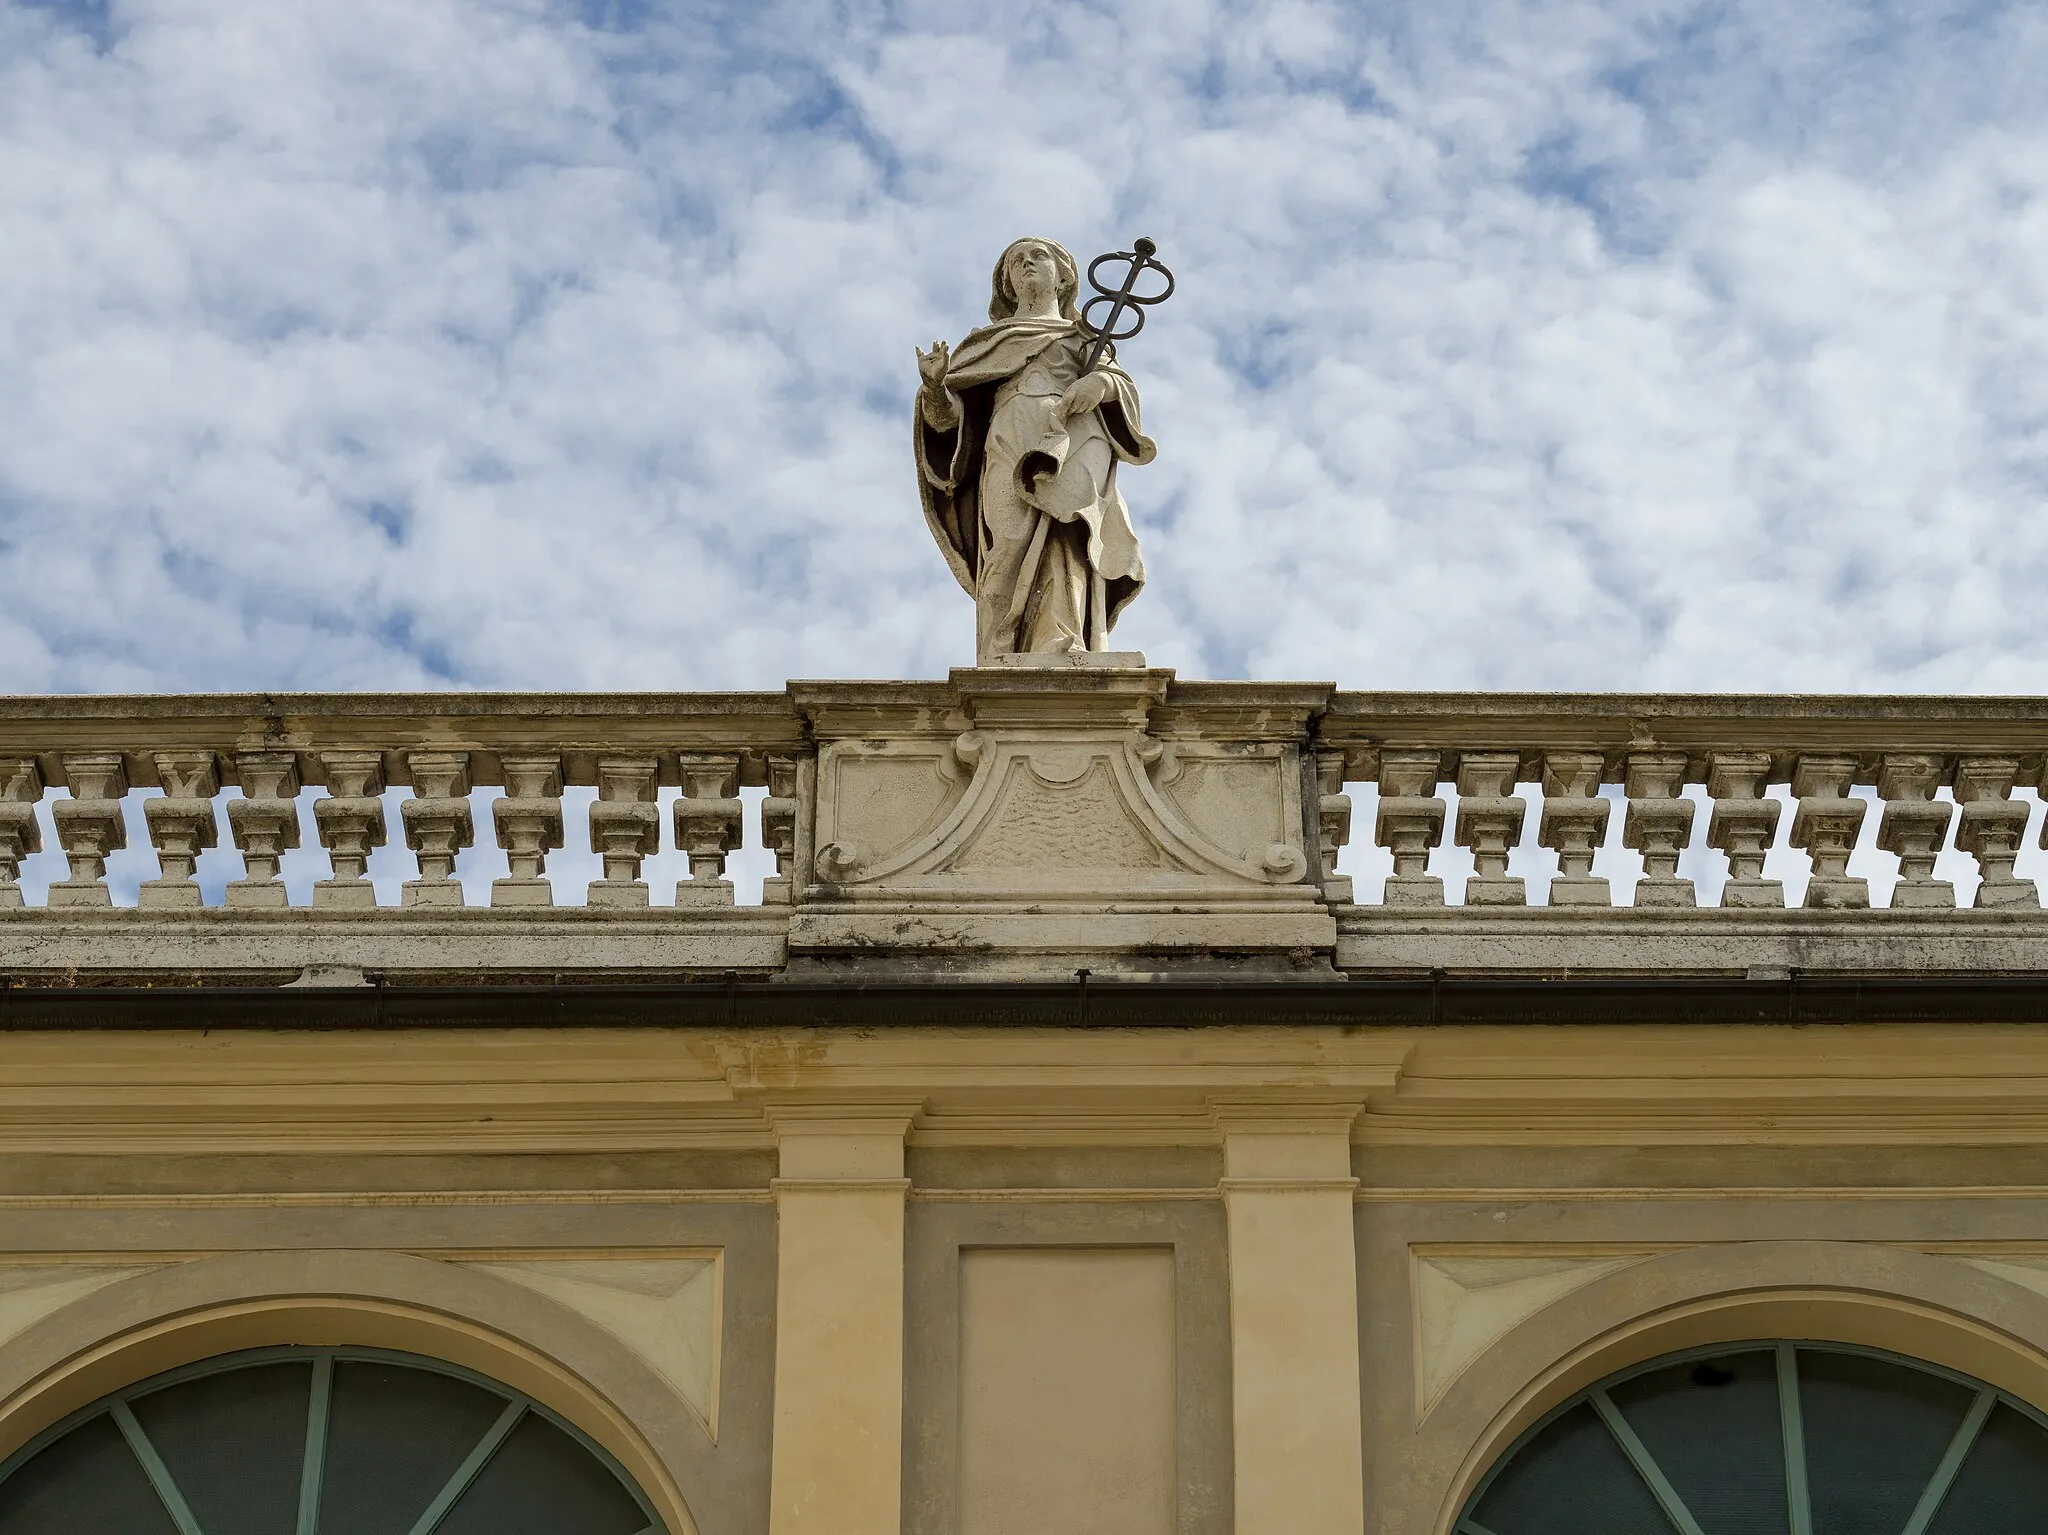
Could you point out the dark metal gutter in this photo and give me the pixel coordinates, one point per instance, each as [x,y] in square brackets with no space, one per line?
[1095,1002]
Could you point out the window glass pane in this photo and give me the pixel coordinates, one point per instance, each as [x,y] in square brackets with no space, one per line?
[394,1437]
[541,1482]
[234,1443]
[1571,1479]
[88,1481]
[1712,1427]
[1875,1431]
[2003,1486]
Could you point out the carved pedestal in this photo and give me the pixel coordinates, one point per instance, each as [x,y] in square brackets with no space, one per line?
[1039,822]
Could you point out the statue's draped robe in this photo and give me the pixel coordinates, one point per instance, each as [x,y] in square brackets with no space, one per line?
[1025,505]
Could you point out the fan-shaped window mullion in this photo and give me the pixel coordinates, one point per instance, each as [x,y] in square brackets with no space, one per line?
[1792,1424]
[1952,1462]
[154,1468]
[1645,1463]
[470,1469]
[314,1469]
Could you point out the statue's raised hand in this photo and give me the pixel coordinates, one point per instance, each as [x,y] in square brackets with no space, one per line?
[1088,392]
[931,366]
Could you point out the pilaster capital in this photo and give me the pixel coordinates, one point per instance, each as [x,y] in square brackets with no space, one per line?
[838,1139]
[1298,1139]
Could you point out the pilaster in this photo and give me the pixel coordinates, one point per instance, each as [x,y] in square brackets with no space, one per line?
[838,1449]
[1287,1194]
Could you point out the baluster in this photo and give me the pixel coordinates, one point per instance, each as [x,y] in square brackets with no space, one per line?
[778,828]
[1410,822]
[625,826]
[708,825]
[1992,825]
[1914,826]
[1333,824]
[89,826]
[1573,826]
[21,787]
[181,824]
[438,825]
[1826,826]
[1490,823]
[1742,826]
[529,819]
[1659,826]
[351,822]
[265,823]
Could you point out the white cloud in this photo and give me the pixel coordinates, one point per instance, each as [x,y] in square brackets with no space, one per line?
[417,342]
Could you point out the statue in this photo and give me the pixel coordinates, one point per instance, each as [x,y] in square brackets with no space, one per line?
[1018,437]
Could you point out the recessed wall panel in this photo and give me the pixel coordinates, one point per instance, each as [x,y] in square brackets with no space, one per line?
[1067,1391]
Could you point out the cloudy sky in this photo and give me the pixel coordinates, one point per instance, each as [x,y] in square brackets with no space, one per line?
[502,343]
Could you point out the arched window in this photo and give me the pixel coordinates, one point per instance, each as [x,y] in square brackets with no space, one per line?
[306,1441]
[1784,1438]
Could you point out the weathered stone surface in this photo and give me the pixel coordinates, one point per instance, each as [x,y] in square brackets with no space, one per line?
[1826,825]
[1052,818]
[21,785]
[1654,941]
[1410,823]
[181,824]
[1991,827]
[1061,813]
[1914,828]
[1018,435]
[1659,826]
[1743,825]
[1490,824]
[1574,825]
[265,823]
[90,826]
[351,822]
[625,827]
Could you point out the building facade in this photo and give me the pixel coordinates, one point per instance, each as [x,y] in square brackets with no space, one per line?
[1059,1144]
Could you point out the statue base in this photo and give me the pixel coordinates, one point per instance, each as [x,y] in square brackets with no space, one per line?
[1073,660]
[1079,813]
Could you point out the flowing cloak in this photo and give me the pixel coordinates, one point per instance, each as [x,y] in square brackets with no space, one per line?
[1064,475]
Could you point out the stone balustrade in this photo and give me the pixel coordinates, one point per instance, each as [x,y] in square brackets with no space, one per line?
[270,774]
[1938,775]
[1049,813]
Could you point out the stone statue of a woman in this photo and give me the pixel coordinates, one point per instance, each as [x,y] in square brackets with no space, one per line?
[1017,451]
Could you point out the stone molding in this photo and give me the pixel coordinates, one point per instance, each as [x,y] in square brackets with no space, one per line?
[536,1089]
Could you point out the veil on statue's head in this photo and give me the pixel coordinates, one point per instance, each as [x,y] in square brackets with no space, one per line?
[1002,303]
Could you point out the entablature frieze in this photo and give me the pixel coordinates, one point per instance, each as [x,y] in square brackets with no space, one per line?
[537,1089]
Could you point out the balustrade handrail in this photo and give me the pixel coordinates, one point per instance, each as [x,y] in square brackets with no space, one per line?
[1783,724]
[581,726]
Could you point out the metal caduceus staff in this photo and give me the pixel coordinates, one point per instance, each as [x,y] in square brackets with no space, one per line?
[1123,302]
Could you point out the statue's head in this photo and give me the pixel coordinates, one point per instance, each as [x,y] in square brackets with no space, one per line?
[1026,260]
